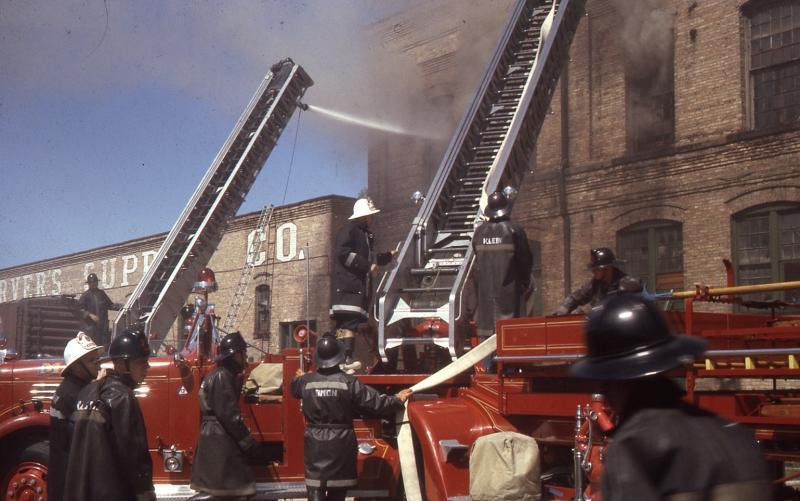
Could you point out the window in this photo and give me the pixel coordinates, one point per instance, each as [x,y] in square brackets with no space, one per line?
[774,62]
[650,87]
[262,299]
[287,329]
[766,248]
[653,252]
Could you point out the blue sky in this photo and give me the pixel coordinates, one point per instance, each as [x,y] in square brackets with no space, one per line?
[111,111]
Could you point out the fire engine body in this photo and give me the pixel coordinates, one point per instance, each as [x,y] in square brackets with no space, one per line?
[531,393]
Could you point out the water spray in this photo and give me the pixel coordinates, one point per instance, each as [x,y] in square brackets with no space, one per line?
[363,122]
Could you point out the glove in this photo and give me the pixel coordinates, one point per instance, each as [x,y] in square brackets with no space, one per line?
[562,310]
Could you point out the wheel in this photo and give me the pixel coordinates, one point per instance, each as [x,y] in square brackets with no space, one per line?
[26,474]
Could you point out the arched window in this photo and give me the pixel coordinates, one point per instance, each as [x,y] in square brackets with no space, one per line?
[653,252]
[774,63]
[766,247]
[262,303]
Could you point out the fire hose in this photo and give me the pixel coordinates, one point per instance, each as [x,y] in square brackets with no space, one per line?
[405,441]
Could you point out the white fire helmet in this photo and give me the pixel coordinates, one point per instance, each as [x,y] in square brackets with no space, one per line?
[76,348]
[364,207]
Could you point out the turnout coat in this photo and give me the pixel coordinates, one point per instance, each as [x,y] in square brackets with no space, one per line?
[109,457]
[504,262]
[96,301]
[666,449]
[220,467]
[592,292]
[352,258]
[61,408]
[330,400]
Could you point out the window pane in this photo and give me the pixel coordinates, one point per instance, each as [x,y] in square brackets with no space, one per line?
[753,241]
[669,252]
[775,58]
[790,235]
[262,311]
[634,250]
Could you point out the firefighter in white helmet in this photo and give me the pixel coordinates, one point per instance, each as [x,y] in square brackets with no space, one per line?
[354,263]
[80,368]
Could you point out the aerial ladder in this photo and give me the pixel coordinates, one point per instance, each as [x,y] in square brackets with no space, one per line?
[262,226]
[159,296]
[492,148]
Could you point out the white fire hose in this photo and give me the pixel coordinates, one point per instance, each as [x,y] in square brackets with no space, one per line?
[405,442]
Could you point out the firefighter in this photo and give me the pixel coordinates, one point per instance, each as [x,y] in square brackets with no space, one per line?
[94,304]
[109,457]
[606,276]
[504,261]
[220,469]
[80,368]
[662,447]
[329,399]
[353,265]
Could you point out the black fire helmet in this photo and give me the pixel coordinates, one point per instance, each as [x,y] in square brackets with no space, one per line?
[627,338]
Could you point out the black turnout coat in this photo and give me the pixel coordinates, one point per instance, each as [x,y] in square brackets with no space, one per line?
[220,467]
[666,449]
[352,258]
[592,292]
[109,457]
[97,302]
[329,401]
[61,409]
[503,260]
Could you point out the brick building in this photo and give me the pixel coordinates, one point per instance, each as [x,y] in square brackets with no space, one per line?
[674,138]
[296,246]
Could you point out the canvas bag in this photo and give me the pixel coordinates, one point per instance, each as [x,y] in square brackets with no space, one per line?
[505,465]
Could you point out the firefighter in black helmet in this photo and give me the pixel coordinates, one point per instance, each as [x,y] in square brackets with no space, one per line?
[220,469]
[503,261]
[94,304]
[663,447]
[109,457]
[606,275]
[330,398]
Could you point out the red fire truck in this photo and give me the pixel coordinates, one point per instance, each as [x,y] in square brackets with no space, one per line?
[749,374]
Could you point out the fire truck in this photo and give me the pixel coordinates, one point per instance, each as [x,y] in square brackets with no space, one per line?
[748,374]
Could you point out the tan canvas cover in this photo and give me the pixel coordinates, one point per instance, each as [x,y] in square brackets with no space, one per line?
[505,466]
[265,379]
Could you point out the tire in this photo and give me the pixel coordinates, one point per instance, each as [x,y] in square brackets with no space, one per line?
[25,471]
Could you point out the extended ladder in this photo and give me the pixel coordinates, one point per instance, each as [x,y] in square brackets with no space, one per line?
[262,227]
[491,148]
[163,290]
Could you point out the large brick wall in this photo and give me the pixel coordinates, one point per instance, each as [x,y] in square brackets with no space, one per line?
[283,264]
[716,167]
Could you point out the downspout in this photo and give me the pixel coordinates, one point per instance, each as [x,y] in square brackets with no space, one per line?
[562,180]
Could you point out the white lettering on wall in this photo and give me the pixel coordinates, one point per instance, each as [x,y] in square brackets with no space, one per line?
[109,273]
[147,260]
[286,242]
[127,268]
[40,277]
[251,244]
[14,287]
[26,285]
[3,287]
[56,277]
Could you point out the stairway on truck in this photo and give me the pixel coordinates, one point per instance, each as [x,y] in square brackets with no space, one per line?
[159,296]
[491,149]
